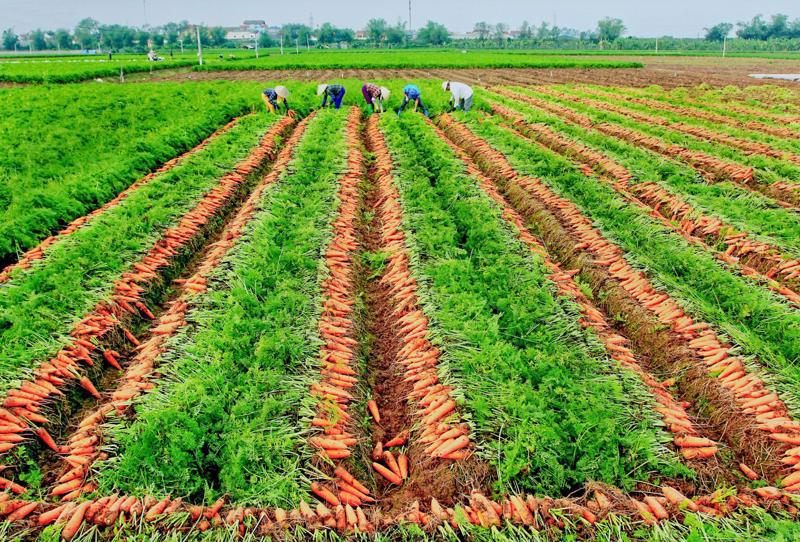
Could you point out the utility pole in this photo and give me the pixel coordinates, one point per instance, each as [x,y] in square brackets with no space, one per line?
[281,41]
[724,46]
[410,30]
[297,45]
[256,41]
[199,46]
[308,42]
[181,42]
[656,45]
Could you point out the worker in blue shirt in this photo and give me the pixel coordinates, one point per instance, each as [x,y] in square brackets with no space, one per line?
[412,93]
[334,92]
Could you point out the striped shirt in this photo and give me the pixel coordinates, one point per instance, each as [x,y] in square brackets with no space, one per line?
[373,90]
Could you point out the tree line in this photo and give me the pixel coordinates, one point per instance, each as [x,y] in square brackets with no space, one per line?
[90,34]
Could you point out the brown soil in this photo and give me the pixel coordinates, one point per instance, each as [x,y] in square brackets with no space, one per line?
[668,72]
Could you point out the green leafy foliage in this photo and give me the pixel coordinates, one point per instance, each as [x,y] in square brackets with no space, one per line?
[225,417]
[756,319]
[39,306]
[550,410]
[69,149]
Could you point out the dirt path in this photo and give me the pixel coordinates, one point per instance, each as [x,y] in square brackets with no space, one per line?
[668,72]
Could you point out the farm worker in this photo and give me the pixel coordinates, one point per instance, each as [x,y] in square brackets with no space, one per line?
[411,92]
[272,96]
[460,95]
[334,92]
[374,94]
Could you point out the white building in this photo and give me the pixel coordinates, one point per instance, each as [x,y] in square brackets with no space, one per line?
[240,35]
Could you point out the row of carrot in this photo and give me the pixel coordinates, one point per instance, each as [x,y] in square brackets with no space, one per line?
[671,410]
[337,355]
[38,252]
[25,404]
[440,428]
[712,168]
[85,443]
[754,399]
[758,259]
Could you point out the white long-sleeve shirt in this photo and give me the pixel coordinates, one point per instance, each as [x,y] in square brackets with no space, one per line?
[460,91]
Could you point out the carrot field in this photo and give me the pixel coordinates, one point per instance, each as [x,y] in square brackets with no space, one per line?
[570,313]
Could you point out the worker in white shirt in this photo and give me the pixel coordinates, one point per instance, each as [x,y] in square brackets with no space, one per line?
[460,95]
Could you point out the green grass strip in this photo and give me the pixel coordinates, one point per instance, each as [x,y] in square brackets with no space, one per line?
[224,418]
[740,207]
[549,409]
[756,320]
[40,306]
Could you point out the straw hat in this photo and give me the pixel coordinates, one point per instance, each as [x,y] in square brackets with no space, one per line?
[385,93]
[282,91]
[321,89]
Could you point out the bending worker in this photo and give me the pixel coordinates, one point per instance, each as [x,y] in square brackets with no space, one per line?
[460,95]
[273,96]
[375,95]
[411,92]
[334,92]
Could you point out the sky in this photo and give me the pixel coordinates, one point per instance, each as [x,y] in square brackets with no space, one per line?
[680,18]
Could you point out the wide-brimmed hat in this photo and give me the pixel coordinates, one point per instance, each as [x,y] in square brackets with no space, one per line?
[385,93]
[282,91]
[321,89]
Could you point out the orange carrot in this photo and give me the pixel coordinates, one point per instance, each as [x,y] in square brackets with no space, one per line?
[324,493]
[750,473]
[373,409]
[402,462]
[386,473]
[391,462]
[48,440]
[350,479]
[399,440]
[46,518]
[66,487]
[74,523]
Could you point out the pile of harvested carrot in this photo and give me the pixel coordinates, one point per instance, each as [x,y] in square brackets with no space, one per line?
[441,431]
[337,329]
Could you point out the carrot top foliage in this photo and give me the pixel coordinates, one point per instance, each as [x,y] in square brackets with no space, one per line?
[69,149]
[224,419]
[551,412]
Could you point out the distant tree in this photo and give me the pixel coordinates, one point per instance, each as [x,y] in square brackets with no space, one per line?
[38,40]
[755,29]
[376,30]
[10,39]
[525,31]
[718,32]
[296,32]
[87,33]
[158,39]
[483,29]
[610,29]
[778,26]
[500,30]
[264,40]
[217,36]
[329,34]
[63,39]
[543,32]
[396,35]
[433,34]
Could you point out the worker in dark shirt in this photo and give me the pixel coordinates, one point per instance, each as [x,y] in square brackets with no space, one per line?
[334,92]
[273,96]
